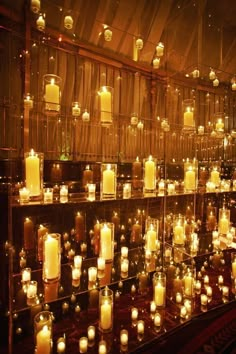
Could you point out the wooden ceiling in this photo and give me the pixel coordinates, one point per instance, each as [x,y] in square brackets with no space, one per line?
[196,33]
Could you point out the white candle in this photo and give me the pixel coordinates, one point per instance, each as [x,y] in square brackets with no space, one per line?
[24,194]
[32,289]
[224,225]
[153,306]
[151,238]
[83,345]
[101,263]
[206,279]
[178,298]
[203,299]
[61,345]
[124,337]
[179,234]
[76,273]
[215,177]
[124,252]
[159,295]
[106,242]
[26,275]
[108,185]
[91,333]
[32,172]
[140,327]
[48,195]
[209,291]
[43,341]
[219,125]
[183,312]
[149,174]
[188,285]
[134,314]
[102,347]
[52,95]
[124,265]
[78,261]
[157,320]
[51,259]
[105,99]
[92,274]
[220,280]
[190,179]
[106,315]
[225,291]
[188,117]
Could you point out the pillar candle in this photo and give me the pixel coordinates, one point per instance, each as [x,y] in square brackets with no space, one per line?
[190,179]
[79,227]
[32,173]
[224,225]
[106,242]
[188,285]
[51,259]
[149,171]
[105,99]
[43,341]
[151,238]
[159,295]
[42,230]
[179,234]
[106,315]
[188,117]
[234,269]
[52,95]
[108,181]
[215,177]
[28,234]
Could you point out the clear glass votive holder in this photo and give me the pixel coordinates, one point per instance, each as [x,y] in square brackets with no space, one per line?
[127,190]
[51,257]
[190,175]
[188,281]
[48,195]
[91,191]
[105,310]
[106,249]
[215,173]
[151,234]
[149,165]
[25,278]
[63,193]
[224,221]
[43,332]
[108,181]
[124,337]
[52,93]
[24,195]
[159,289]
[34,173]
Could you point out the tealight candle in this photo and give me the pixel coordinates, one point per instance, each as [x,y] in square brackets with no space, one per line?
[134,314]
[83,345]
[153,306]
[220,279]
[124,337]
[48,195]
[61,345]
[24,194]
[26,275]
[91,333]
[140,327]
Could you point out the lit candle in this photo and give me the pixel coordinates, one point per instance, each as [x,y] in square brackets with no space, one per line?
[159,295]
[51,259]
[188,117]
[24,194]
[206,279]
[124,337]
[92,274]
[140,327]
[190,179]
[108,181]
[105,100]
[219,125]
[32,173]
[76,273]
[83,345]
[157,320]
[188,285]
[102,347]
[153,306]
[209,291]
[77,261]
[61,345]
[52,96]
[48,195]
[28,230]
[124,266]
[76,109]
[203,299]
[220,279]
[106,242]
[224,225]
[43,341]
[215,177]
[124,252]
[178,298]
[183,312]
[225,291]
[91,333]
[234,268]
[151,238]
[134,313]
[149,173]
[101,263]
[179,234]
[106,315]
[32,289]
[26,275]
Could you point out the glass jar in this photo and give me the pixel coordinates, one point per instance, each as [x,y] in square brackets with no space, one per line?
[106,310]
[43,326]
[188,112]
[159,289]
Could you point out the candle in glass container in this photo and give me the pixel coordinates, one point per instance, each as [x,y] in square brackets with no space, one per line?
[91,333]
[43,341]
[106,315]
[106,105]
[102,347]
[32,173]
[77,261]
[178,234]
[52,95]
[24,194]
[140,327]
[61,345]
[157,320]
[26,275]
[224,224]
[124,252]
[190,178]
[188,284]
[124,337]
[32,289]
[92,274]
[42,231]
[188,117]
[151,239]
[108,181]
[159,295]
[134,314]
[215,176]
[101,263]
[203,299]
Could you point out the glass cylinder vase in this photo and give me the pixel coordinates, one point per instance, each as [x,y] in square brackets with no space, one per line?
[106,241]
[43,322]
[108,182]
[188,282]
[159,289]
[51,257]
[178,230]
[52,93]
[105,310]
[219,119]
[215,174]
[34,173]
[190,175]
[149,175]
[106,105]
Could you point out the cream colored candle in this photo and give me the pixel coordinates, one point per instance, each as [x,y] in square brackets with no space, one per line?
[234,269]
[108,185]
[43,341]
[224,225]
[51,259]
[91,333]
[92,274]
[52,95]
[190,179]
[149,172]
[140,327]
[188,117]
[157,320]
[106,315]
[134,314]
[188,285]
[105,99]
[124,337]
[179,234]
[83,345]
[159,295]
[151,238]
[32,172]
[215,177]
[106,242]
